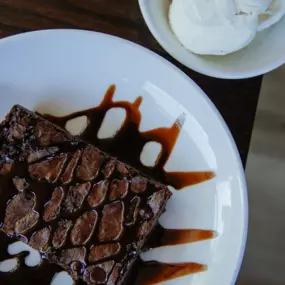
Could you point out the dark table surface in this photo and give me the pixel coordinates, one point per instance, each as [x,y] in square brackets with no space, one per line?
[235,99]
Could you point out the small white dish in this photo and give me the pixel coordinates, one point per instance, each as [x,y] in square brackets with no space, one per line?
[62,71]
[265,53]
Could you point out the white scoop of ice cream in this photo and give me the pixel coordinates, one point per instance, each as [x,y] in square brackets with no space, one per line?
[211,26]
[222,26]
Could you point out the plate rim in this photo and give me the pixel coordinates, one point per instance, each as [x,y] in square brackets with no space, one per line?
[241,172]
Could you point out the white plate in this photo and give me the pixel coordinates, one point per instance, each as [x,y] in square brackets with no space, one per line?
[62,71]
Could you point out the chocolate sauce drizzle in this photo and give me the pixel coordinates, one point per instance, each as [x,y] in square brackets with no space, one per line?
[128,143]
[154,272]
[127,146]
[169,237]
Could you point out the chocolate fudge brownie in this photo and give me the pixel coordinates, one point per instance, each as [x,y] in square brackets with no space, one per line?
[84,210]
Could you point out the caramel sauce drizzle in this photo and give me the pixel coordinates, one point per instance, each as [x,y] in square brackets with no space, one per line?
[156,272]
[176,237]
[129,142]
[169,237]
[127,145]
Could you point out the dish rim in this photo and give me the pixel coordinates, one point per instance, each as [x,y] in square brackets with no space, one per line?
[241,173]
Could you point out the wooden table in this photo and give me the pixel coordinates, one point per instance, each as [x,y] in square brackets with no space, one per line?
[236,100]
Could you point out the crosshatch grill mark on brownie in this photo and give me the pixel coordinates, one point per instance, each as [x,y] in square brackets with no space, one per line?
[98,193]
[103,251]
[39,239]
[86,211]
[49,170]
[52,208]
[20,215]
[70,168]
[60,233]
[83,228]
[111,227]
[91,162]
[75,197]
